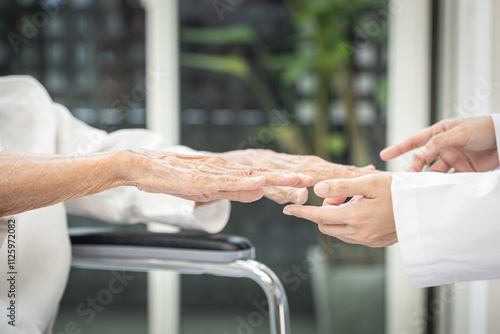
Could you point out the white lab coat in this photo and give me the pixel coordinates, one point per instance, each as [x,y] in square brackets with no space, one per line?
[30,122]
[448,225]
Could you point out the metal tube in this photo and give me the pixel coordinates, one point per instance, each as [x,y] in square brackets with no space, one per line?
[279,319]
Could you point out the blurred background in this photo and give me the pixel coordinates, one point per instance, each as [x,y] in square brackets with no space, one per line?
[296,76]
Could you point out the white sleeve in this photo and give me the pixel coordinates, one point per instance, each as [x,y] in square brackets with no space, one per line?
[128,204]
[448,226]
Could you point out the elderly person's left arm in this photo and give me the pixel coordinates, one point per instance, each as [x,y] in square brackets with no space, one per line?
[129,205]
[51,157]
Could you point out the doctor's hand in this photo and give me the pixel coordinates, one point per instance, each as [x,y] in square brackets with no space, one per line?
[366,219]
[206,178]
[313,166]
[467,145]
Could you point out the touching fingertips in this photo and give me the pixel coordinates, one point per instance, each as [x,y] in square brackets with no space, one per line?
[302,196]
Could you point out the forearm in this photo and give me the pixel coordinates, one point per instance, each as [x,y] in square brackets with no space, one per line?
[31,181]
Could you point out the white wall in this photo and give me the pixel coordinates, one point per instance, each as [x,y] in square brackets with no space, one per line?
[494,286]
[470,45]
[408,112]
[162,100]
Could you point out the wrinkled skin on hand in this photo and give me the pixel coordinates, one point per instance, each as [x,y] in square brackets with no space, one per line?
[207,178]
[367,219]
[466,145]
[319,169]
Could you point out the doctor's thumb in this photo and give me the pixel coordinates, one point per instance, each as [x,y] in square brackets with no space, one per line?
[342,187]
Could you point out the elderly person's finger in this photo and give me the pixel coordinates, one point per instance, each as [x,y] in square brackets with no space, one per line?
[245,196]
[274,177]
[368,168]
[314,166]
[213,165]
[282,195]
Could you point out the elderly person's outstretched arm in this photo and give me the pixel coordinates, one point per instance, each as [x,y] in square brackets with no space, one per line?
[31,181]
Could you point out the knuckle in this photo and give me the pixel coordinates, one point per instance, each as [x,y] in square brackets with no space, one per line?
[247,173]
[280,200]
[444,122]
[435,141]
[313,159]
[342,188]
[260,170]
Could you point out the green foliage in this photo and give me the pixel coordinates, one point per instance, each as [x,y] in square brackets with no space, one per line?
[337,144]
[322,48]
[237,34]
[233,65]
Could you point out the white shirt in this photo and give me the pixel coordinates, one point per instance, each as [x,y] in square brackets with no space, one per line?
[448,225]
[30,122]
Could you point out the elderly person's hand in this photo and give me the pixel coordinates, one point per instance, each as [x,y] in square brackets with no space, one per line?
[310,165]
[208,178]
[467,145]
[31,181]
[366,219]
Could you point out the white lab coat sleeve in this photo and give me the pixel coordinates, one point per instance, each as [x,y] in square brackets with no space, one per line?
[448,226]
[128,204]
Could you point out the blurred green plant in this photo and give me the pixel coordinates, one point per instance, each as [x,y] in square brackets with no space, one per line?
[321,51]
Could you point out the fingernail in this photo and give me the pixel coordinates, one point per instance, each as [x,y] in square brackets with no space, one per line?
[321,188]
[286,212]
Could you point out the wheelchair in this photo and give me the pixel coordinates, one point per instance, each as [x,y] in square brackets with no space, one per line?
[185,253]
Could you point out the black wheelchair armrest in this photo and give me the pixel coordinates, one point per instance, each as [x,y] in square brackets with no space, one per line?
[183,246]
